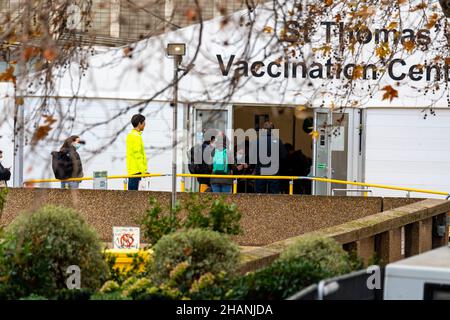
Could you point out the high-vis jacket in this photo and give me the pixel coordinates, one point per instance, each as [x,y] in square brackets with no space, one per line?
[136,158]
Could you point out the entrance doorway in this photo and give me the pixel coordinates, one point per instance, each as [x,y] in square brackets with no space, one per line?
[294,125]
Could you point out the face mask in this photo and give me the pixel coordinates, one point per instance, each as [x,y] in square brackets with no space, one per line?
[77,146]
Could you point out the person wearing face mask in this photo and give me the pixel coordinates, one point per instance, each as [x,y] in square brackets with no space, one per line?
[70,165]
[242,167]
[5,173]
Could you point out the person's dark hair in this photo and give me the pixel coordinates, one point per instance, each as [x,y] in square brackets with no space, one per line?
[68,142]
[289,147]
[137,119]
[268,125]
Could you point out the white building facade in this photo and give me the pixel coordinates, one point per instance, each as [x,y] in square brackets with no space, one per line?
[380,141]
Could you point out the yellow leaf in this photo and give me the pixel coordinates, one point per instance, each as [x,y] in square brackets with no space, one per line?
[268,29]
[390,93]
[314,134]
[392,25]
[383,50]
[326,49]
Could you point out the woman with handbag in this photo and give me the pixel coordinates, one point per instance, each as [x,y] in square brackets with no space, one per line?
[5,173]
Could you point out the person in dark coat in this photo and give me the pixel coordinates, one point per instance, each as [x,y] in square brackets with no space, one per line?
[5,173]
[298,164]
[71,161]
[202,155]
[266,141]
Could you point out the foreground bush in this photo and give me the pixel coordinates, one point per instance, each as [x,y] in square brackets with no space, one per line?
[38,247]
[325,253]
[306,262]
[201,213]
[182,258]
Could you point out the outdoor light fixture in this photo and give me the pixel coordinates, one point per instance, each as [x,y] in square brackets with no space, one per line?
[176,51]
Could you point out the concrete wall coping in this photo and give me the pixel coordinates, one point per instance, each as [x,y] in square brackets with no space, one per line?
[354,230]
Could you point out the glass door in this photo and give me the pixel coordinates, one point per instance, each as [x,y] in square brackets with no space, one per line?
[205,118]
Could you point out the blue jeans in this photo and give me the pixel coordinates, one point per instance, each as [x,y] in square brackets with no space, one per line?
[70,184]
[133,183]
[221,188]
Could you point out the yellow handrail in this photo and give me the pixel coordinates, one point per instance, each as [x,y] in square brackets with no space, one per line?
[381,186]
[292,178]
[149,175]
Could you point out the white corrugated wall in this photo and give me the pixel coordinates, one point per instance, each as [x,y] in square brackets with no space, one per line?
[404,149]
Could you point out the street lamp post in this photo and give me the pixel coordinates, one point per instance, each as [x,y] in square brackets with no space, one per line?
[175,51]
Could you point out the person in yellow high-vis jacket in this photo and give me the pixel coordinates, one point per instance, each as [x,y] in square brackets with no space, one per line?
[136,158]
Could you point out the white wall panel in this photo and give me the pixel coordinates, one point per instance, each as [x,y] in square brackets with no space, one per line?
[157,140]
[404,149]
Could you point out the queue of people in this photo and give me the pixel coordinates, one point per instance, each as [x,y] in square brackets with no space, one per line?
[216,158]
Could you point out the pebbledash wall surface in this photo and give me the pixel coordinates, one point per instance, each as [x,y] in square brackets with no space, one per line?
[265,218]
[389,141]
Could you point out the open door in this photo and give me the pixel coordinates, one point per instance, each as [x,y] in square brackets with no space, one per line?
[205,117]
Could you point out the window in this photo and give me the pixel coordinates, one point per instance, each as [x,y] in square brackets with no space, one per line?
[435,291]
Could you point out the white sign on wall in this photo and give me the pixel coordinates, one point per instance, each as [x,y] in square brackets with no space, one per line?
[338,140]
[126,237]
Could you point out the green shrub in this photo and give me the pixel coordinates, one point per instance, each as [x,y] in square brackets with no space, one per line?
[215,215]
[3,194]
[201,213]
[34,297]
[183,257]
[306,262]
[38,247]
[116,295]
[278,281]
[156,223]
[324,252]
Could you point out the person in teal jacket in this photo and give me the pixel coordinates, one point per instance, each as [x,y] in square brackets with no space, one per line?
[136,157]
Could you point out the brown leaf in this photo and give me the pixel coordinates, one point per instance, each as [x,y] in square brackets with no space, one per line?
[50,54]
[8,75]
[390,93]
[19,101]
[358,72]
[432,21]
[409,46]
[191,14]
[43,131]
[328,3]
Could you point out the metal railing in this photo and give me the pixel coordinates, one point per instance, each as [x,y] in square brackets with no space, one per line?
[30,183]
